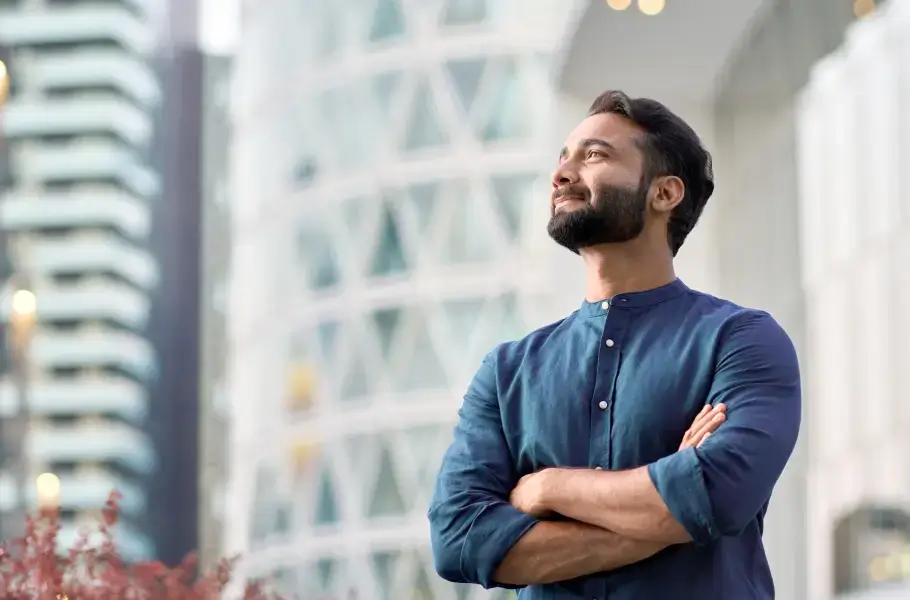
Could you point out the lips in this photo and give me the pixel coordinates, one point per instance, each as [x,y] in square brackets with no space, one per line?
[562,201]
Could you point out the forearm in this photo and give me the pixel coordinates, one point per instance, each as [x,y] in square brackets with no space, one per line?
[625,502]
[559,551]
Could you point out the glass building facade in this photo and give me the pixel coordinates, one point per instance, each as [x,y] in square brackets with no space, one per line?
[387,162]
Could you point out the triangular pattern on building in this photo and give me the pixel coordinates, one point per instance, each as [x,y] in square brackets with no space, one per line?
[385,225]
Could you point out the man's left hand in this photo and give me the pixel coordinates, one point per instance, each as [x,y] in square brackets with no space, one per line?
[528,495]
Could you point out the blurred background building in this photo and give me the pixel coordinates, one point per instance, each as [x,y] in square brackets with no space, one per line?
[101,225]
[214,413]
[175,319]
[78,127]
[388,195]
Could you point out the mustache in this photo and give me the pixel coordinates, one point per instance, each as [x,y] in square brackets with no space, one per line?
[569,192]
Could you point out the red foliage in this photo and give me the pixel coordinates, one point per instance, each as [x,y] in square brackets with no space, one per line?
[32,569]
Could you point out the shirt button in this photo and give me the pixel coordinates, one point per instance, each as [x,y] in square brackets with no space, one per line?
[609,343]
[605,305]
[602,404]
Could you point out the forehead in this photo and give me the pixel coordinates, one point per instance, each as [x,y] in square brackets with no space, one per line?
[616,130]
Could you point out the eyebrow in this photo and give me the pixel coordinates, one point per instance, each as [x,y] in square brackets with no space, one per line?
[587,143]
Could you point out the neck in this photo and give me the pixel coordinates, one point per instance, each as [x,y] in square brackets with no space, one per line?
[613,269]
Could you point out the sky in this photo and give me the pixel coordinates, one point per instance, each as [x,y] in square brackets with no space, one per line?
[219,25]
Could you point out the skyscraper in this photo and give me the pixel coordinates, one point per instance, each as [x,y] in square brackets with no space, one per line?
[78,127]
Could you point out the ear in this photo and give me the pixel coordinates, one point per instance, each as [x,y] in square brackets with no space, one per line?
[667,192]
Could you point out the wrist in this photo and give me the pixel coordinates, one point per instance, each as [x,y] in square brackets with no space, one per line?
[551,486]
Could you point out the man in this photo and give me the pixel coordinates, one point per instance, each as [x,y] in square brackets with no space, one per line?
[565,477]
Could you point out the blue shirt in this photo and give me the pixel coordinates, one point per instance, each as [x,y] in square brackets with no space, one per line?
[615,385]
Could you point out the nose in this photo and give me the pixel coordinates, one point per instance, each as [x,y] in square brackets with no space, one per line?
[564,175]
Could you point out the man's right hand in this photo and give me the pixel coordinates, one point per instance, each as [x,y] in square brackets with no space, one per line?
[706,423]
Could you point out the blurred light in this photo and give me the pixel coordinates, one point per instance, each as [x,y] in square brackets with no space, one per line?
[48,487]
[863,8]
[878,569]
[904,559]
[651,7]
[619,4]
[24,303]
[303,455]
[4,82]
[301,385]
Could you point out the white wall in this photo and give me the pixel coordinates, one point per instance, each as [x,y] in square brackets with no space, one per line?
[855,227]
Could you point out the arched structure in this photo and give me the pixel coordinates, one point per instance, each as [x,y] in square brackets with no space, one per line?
[387,168]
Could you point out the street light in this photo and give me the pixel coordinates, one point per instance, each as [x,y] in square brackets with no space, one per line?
[22,317]
[47,489]
[24,306]
[4,82]
[23,314]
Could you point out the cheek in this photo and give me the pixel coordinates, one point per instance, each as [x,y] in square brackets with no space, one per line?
[611,175]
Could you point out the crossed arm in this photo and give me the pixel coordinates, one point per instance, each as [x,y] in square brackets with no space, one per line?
[558,551]
[485,529]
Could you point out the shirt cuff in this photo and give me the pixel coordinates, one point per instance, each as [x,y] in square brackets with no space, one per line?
[681,484]
[492,534]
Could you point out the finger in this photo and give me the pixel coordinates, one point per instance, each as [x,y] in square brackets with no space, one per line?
[704,422]
[703,415]
[710,426]
[697,424]
[704,439]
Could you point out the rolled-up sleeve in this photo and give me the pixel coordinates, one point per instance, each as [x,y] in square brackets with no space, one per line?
[472,524]
[719,488]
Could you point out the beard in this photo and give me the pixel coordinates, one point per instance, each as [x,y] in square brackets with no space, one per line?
[613,214]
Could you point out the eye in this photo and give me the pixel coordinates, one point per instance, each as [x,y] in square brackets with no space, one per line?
[596,154]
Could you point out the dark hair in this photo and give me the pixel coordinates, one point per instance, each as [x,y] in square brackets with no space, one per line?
[670,147]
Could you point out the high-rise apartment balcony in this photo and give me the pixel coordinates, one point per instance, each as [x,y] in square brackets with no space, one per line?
[94,348]
[92,441]
[96,69]
[104,300]
[104,208]
[75,116]
[85,395]
[86,254]
[80,160]
[80,491]
[57,24]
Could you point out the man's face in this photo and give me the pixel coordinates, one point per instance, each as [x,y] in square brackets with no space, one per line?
[599,195]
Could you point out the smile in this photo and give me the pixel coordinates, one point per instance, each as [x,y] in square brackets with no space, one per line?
[566,200]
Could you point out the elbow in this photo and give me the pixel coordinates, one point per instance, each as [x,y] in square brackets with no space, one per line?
[446,542]
[447,562]
[447,558]
[470,539]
